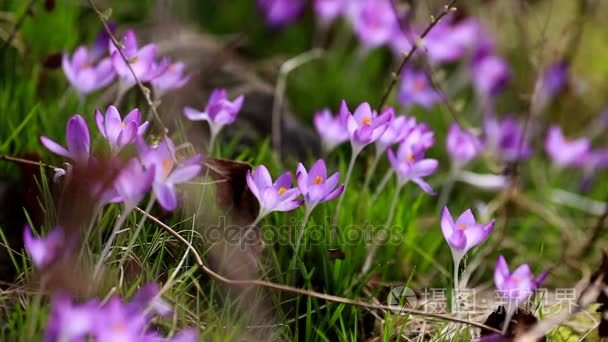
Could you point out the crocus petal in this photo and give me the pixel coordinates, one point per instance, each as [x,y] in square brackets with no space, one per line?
[100,122]
[113,124]
[457,240]
[334,193]
[426,187]
[318,169]
[195,115]
[501,271]
[184,174]
[134,115]
[283,181]
[268,198]
[252,186]
[262,177]
[424,167]
[54,147]
[288,206]
[302,178]
[126,135]
[477,233]
[166,196]
[447,223]
[78,139]
[466,218]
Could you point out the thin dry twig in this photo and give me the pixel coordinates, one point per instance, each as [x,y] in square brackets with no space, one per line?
[395,77]
[17,26]
[27,162]
[145,91]
[298,291]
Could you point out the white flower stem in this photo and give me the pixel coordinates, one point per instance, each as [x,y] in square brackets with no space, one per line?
[211,145]
[511,308]
[140,225]
[457,260]
[106,250]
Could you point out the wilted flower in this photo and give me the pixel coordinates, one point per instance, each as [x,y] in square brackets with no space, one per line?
[516,286]
[331,129]
[566,152]
[277,196]
[506,138]
[551,83]
[365,126]
[464,233]
[83,74]
[133,182]
[490,75]
[373,21]
[219,111]
[416,89]
[77,139]
[462,146]
[172,78]
[329,10]
[410,164]
[315,186]
[43,250]
[118,132]
[278,13]
[167,172]
[142,61]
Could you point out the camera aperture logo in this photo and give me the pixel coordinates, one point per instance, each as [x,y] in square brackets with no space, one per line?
[402,296]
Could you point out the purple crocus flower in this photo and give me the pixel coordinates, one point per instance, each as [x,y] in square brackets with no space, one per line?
[552,82]
[277,196]
[77,138]
[504,137]
[450,41]
[331,129]
[100,46]
[69,321]
[490,75]
[398,129]
[329,10]
[167,173]
[219,111]
[133,182]
[116,323]
[464,233]
[373,21]
[142,61]
[416,89]
[279,13]
[516,286]
[365,126]
[83,74]
[172,78]
[410,164]
[566,152]
[118,132]
[148,296]
[315,186]
[462,145]
[43,250]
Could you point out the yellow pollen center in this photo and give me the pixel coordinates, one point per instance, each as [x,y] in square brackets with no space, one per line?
[366,120]
[123,124]
[462,226]
[282,190]
[318,180]
[410,158]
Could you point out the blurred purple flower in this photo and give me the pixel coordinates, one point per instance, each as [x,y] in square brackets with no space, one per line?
[401,42]
[464,233]
[277,196]
[142,61]
[450,41]
[398,129]
[416,89]
[118,132]
[374,21]
[167,173]
[43,250]
[490,75]
[115,322]
[315,186]
[279,13]
[505,137]
[331,129]
[565,152]
[69,321]
[551,83]
[462,146]
[517,286]
[172,78]
[102,41]
[148,296]
[219,111]
[329,10]
[365,126]
[133,182]
[83,74]
[410,164]
[77,138]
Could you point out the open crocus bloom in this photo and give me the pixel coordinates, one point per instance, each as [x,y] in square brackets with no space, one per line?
[516,286]
[277,196]
[462,145]
[167,172]
[219,111]
[84,76]
[450,41]
[133,182]
[172,78]
[141,61]
[566,152]
[331,129]
[410,165]
[77,138]
[315,186]
[374,21]
[119,132]
[364,126]
[396,132]
[464,233]
[43,250]
[69,321]
[416,89]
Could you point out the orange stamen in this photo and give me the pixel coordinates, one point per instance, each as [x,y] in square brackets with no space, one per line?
[366,121]
[318,180]
[282,190]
